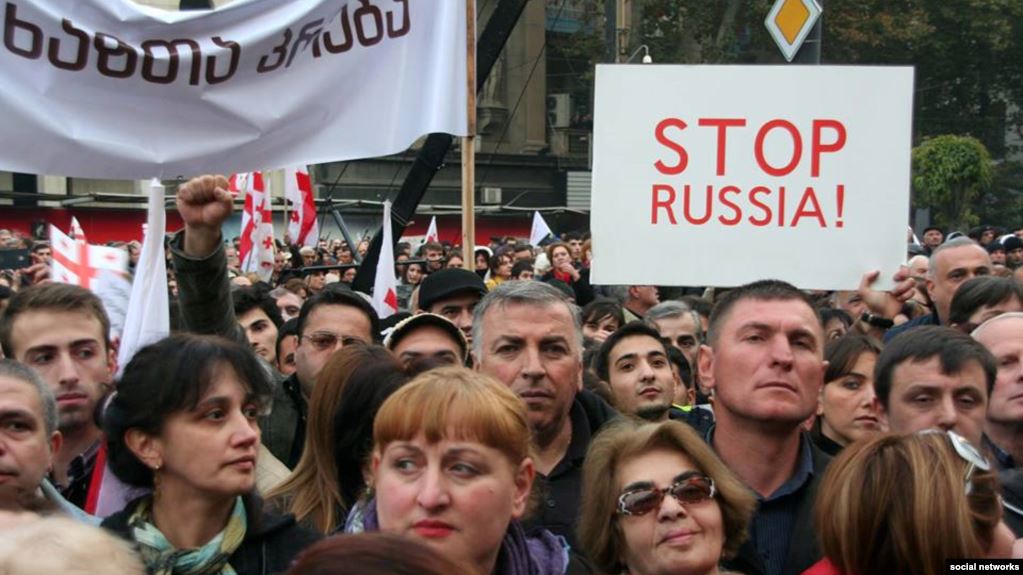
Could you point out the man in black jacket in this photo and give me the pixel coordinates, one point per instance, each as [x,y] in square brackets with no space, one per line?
[764,362]
[326,322]
[528,336]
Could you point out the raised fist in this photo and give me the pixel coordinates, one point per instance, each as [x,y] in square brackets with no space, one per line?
[205,202]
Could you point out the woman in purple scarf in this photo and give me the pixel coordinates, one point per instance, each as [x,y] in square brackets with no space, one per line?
[452,468]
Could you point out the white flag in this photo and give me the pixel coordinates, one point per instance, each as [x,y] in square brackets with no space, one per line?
[298,189]
[257,246]
[540,230]
[431,232]
[147,321]
[385,294]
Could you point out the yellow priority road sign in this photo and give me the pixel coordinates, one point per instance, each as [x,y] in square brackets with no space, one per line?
[789,22]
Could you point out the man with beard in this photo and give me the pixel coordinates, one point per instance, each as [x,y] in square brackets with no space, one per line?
[634,362]
[62,332]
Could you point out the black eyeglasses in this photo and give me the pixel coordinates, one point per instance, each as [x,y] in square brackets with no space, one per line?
[689,489]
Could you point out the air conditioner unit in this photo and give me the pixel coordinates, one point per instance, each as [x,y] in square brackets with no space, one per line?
[559,110]
[491,195]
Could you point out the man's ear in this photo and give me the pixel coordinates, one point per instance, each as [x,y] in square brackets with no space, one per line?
[705,364]
[112,358]
[56,440]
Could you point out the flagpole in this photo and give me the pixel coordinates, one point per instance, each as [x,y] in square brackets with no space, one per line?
[284,198]
[469,143]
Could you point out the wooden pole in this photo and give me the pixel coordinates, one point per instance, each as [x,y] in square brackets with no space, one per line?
[469,144]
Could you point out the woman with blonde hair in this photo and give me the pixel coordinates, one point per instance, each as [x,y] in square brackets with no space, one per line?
[658,501]
[328,479]
[906,504]
[453,468]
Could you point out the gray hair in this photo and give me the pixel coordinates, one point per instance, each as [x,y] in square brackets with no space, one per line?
[14,370]
[672,309]
[976,333]
[620,293]
[532,293]
[949,245]
[666,310]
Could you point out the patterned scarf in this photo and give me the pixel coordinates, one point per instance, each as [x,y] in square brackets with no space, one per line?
[161,558]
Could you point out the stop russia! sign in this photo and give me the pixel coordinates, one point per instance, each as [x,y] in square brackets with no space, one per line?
[721,175]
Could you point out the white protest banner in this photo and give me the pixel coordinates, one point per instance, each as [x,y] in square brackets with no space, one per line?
[111,89]
[721,175]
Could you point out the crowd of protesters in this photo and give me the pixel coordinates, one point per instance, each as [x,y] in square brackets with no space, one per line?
[514,418]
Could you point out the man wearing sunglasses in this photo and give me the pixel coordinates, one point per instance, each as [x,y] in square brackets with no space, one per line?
[935,377]
[334,317]
[764,362]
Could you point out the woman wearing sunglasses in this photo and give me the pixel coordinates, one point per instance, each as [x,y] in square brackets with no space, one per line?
[657,501]
[452,469]
[184,424]
[905,504]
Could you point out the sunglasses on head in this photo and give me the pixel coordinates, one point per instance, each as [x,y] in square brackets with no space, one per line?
[966,451]
[689,489]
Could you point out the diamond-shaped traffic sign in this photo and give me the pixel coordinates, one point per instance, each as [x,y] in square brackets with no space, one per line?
[789,22]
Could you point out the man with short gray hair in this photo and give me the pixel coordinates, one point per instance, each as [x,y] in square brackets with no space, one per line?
[528,336]
[952,263]
[679,325]
[28,436]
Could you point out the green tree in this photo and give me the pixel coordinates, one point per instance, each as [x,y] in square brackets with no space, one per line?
[949,174]
[968,56]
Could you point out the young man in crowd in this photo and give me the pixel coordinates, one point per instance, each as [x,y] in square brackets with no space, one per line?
[452,293]
[634,362]
[427,336]
[935,377]
[62,332]
[433,253]
[529,337]
[260,319]
[764,362]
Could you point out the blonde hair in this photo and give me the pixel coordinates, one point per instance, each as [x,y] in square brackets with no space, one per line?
[312,492]
[61,545]
[600,534]
[898,504]
[456,403]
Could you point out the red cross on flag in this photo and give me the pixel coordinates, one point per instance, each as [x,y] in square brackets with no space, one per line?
[298,189]
[385,286]
[431,232]
[256,253]
[76,262]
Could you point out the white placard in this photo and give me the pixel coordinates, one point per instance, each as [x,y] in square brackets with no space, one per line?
[110,89]
[722,175]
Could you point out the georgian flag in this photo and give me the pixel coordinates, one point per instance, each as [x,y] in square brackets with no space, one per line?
[257,238]
[431,232]
[298,189]
[385,286]
[76,262]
